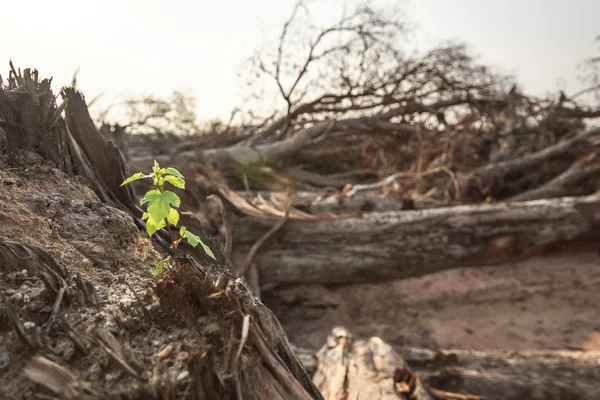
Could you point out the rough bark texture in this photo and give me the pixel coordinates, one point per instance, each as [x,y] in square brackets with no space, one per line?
[345,363]
[370,369]
[395,245]
[507,375]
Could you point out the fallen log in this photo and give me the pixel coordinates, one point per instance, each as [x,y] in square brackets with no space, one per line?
[369,369]
[451,374]
[334,203]
[395,245]
[506,375]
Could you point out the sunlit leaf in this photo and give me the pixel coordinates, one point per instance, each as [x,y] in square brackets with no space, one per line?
[174,172]
[208,251]
[194,240]
[159,203]
[173,217]
[134,177]
[160,266]
[151,194]
[175,181]
[182,232]
[152,226]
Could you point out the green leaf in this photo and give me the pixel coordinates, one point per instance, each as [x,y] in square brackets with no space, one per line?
[134,177]
[159,203]
[173,217]
[174,172]
[194,240]
[182,232]
[152,226]
[208,251]
[158,269]
[145,216]
[172,198]
[151,194]
[160,266]
[175,181]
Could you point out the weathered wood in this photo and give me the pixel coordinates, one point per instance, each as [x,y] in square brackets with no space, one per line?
[396,245]
[508,375]
[466,374]
[502,168]
[365,369]
[332,202]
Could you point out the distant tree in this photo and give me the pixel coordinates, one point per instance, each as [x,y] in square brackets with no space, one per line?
[359,65]
[174,115]
[590,76]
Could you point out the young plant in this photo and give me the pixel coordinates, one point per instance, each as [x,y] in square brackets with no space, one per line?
[161,210]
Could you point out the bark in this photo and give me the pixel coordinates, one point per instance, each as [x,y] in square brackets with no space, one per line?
[507,375]
[503,168]
[560,186]
[301,138]
[331,202]
[452,374]
[397,245]
[369,369]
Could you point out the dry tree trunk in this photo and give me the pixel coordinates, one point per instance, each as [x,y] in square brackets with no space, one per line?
[345,365]
[507,375]
[364,369]
[397,245]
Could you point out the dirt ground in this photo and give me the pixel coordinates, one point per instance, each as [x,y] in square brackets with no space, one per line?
[42,207]
[540,303]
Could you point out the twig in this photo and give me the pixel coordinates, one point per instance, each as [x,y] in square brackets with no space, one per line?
[228,235]
[256,247]
[243,339]
[276,365]
[55,307]
[12,315]
[392,178]
[453,396]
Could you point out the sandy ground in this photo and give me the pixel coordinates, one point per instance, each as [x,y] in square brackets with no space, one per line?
[540,303]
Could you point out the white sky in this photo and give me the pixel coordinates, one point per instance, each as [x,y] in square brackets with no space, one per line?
[138,47]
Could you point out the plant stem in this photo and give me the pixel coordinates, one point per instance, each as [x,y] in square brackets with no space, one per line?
[172,244]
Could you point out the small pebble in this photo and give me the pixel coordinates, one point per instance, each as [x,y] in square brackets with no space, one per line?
[10,291]
[183,375]
[26,298]
[24,272]
[16,297]
[28,325]
[166,352]
[183,355]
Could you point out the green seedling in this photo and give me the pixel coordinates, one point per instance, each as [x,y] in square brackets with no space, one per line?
[161,209]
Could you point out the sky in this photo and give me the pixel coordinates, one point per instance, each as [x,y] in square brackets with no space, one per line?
[126,48]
